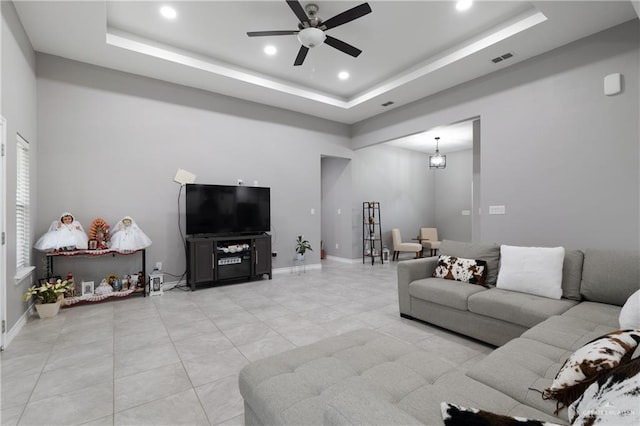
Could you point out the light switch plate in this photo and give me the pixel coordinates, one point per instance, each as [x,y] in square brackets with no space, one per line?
[497,210]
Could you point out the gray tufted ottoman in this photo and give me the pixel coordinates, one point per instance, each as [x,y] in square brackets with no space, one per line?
[362,377]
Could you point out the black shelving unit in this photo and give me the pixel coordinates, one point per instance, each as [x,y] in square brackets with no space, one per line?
[371,232]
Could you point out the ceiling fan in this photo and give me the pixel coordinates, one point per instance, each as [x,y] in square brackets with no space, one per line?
[311,29]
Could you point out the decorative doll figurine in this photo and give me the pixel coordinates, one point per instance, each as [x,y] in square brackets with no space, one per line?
[127,236]
[63,234]
[99,234]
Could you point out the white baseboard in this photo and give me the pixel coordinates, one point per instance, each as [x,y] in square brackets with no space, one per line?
[15,330]
[342,259]
[294,269]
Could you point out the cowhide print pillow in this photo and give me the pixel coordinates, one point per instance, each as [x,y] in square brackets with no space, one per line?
[613,399]
[455,415]
[460,269]
[587,363]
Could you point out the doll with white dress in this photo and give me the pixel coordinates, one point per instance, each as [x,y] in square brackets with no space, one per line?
[64,234]
[127,236]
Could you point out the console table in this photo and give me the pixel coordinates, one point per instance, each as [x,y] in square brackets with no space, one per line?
[98,253]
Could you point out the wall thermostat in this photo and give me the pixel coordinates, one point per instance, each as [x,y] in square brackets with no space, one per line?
[613,84]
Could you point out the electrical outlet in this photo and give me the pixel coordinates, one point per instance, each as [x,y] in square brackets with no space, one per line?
[159,266]
[337,246]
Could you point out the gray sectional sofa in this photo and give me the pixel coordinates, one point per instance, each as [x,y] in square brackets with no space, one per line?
[495,315]
[366,377]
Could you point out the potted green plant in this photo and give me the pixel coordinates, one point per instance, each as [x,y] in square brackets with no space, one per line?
[48,297]
[302,246]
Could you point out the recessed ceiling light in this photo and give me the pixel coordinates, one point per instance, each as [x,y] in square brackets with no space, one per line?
[343,75]
[168,12]
[462,5]
[270,50]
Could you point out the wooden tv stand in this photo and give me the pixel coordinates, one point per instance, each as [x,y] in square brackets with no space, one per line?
[219,259]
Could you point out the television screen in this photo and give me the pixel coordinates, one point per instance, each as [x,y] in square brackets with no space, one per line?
[222,209]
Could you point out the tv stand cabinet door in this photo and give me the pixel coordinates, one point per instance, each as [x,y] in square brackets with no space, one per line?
[202,261]
[262,259]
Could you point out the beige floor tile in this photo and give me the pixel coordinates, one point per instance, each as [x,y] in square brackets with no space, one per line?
[221,399]
[69,408]
[183,408]
[175,359]
[150,385]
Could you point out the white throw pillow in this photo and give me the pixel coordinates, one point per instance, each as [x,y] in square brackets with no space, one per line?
[533,270]
[630,313]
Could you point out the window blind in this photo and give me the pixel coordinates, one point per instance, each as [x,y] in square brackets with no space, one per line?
[23,246]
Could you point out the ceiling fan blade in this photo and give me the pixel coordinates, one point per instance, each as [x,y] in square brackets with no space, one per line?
[271,33]
[302,53]
[298,10]
[342,46]
[347,16]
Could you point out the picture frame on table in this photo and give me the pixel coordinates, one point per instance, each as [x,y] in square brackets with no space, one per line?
[88,287]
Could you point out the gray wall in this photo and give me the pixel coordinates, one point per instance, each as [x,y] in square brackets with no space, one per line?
[559,154]
[18,106]
[113,142]
[452,195]
[403,184]
[336,206]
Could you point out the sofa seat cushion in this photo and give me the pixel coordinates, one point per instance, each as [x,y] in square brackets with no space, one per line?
[522,369]
[572,332]
[449,293]
[598,313]
[515,307]
[295,387]
[422,406]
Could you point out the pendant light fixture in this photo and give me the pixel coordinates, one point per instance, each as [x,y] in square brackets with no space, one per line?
[437,161]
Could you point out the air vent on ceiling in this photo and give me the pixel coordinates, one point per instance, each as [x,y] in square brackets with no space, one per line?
[502,58]
[386,104]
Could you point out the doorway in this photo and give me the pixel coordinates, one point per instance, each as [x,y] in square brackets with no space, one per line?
[453,193]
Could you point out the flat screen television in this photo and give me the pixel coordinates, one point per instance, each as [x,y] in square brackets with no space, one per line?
[223,209]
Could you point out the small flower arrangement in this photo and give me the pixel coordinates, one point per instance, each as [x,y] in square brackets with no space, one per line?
[47,292]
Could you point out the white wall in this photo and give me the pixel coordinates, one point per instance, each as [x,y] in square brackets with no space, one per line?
[559,154]
[113,142]
[401,181]
[18,106]
[452,195]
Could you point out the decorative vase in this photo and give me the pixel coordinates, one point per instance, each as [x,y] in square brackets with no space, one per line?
[48,310]
[300,256]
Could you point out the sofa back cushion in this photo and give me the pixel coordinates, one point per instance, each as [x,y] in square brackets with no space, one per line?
[572,274]
[610,276]
[490,253]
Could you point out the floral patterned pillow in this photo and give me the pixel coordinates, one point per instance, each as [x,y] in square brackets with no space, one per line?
[460,269]
[586,364]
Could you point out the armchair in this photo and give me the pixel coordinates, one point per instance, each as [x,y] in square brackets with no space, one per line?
[399,246]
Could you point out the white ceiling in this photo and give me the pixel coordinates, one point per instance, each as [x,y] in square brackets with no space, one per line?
[453,137]
[411,49]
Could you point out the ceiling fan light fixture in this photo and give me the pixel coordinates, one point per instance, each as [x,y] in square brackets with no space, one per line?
[270,50]
[311,37]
